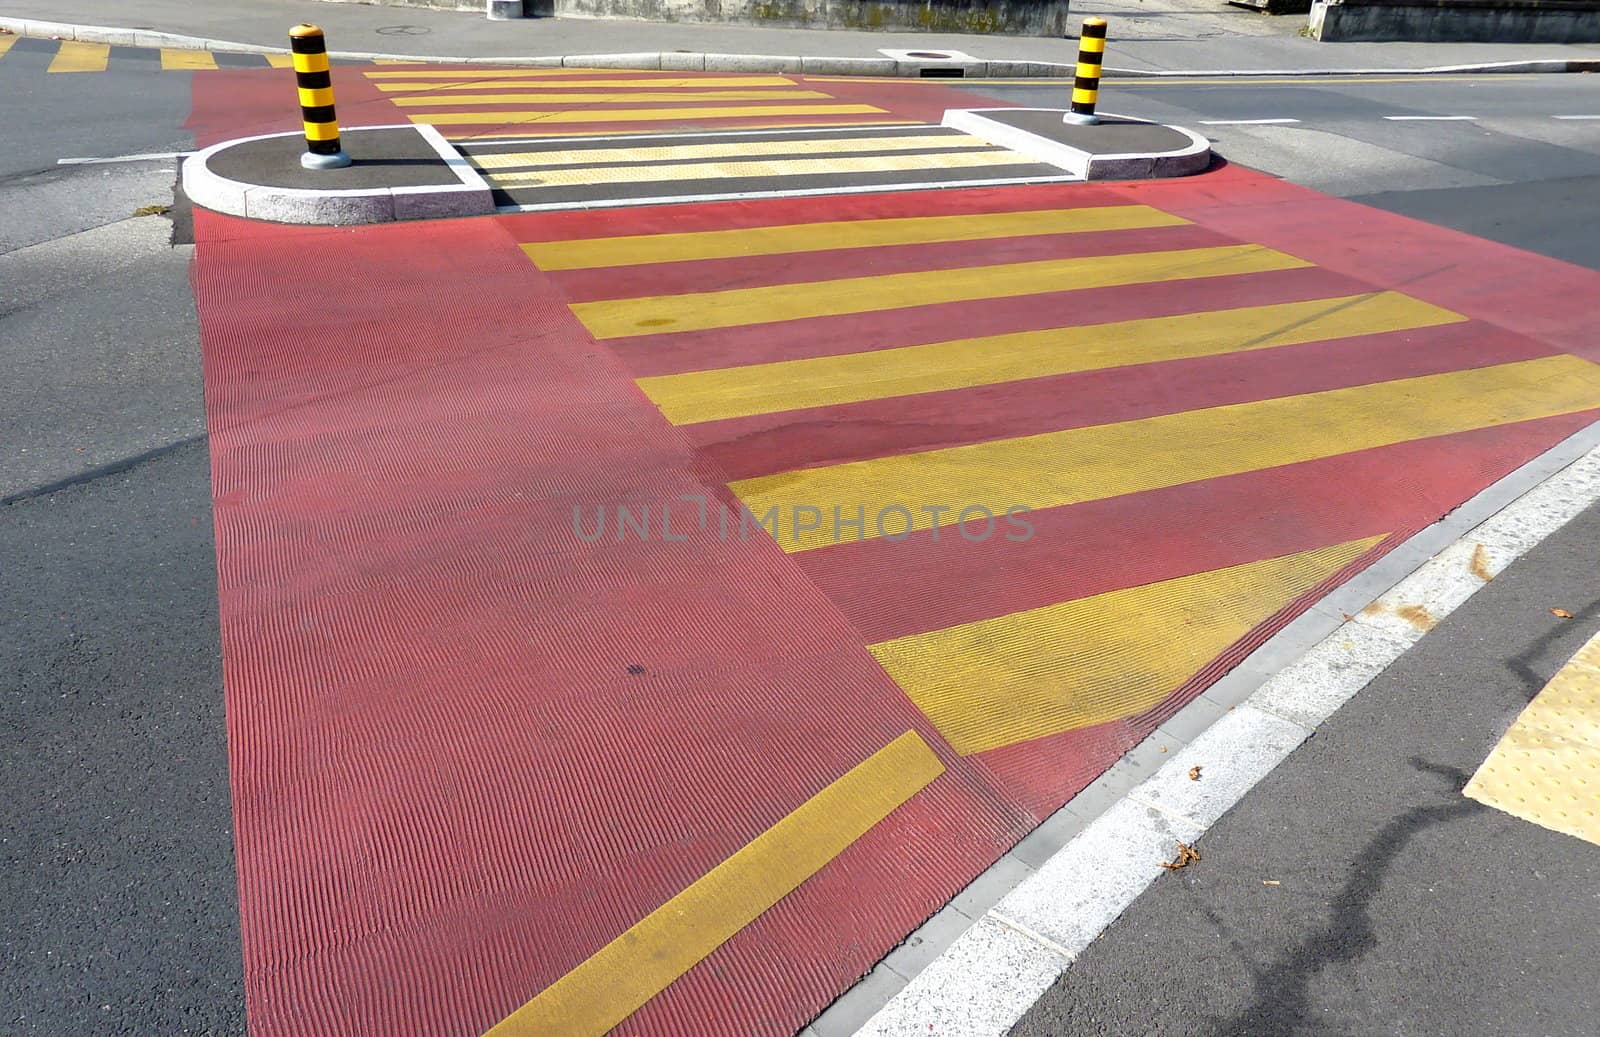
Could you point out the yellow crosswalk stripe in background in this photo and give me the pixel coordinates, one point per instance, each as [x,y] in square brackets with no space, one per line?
[708,85]
[186,60]
[5,44]
[685,152]
[1088,661]
[618,318]
[852,377]
[641,114]
[589,253]
[777,167]
[81,57]
[427,100]
[1068,467]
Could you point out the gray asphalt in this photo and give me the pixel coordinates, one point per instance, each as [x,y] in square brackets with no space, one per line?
[115,825]
[1402,907]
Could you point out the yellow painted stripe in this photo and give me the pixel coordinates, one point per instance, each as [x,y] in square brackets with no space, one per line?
[186,60]
[395,61]
[1083,464]
[1072,665]
[321,130]
[589,253]
[81,57]
[686,152]
[610,986]
[462,75]
[280,60]
[311,62]
[776,167]
[1547,767]
[669,96]
[316,98]
[532,130]
[702,85]
[689,115]
[852,377]
[5,44]
[619,318]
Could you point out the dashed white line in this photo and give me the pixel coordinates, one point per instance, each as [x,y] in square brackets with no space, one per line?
[151,157]
[1245,122]
[1578,117]
[1431,118]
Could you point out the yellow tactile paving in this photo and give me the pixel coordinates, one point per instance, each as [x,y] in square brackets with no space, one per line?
[607,988]
[837,165]
[1547,767]
[589,253]
[619,318]
[596,115]
[187,60]
[81,57]
[733,82]
[1068,467]
[852,377]
[427,100]
[1015,678]
[689,152]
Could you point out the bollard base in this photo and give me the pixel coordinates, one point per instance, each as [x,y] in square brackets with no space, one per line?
[337,160]
[1075,119]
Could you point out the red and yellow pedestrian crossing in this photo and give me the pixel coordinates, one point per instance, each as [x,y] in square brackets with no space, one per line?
[601,642]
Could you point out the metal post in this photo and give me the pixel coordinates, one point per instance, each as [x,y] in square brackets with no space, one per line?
[1086,86]
[315,80]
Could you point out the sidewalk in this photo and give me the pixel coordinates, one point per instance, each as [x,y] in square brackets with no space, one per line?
[1146,35]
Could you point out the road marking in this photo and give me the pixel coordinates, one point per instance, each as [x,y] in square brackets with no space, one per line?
[5,44]
[620,318]
[187,60]
[427,100]
[687,152]
[534,133]
[1577,116]
[1083,464]
[154,156]
[280,60]
[778,167]
[81,57]
[1547,767]
[1246,122]
[590,253]
[526,73]
[1010,679]
[1431,118]
[799,192]
[619,978]
[744,82]
[643,114]
[963,363]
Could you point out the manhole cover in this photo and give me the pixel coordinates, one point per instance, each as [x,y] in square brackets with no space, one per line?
[927,54]
[404,30]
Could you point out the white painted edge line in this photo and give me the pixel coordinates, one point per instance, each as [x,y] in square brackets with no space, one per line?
[1431,118]
[1247,122]
[691,62]
[993,972]
[799,192]
[1577,116]
[470,196]
[154,156]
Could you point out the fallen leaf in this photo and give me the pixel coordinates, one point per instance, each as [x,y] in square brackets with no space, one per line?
[1271,882]
[1187,855]
[1163,748]
[1346,616]
[152,210]
[1563,613]
[1194,773]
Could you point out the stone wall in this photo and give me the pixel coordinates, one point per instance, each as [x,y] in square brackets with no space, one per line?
[1472,21]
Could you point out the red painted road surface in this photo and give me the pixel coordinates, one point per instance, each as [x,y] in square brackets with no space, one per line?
[469,748]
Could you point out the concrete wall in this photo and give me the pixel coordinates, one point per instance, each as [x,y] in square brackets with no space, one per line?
[1012,17]
[1480,21]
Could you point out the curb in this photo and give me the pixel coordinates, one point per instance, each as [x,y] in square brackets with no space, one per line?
[1193,157]
[675,61]
[347,207]
[1005,940]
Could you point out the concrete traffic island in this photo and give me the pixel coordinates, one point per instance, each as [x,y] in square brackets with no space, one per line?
[396,173]
[1114,148]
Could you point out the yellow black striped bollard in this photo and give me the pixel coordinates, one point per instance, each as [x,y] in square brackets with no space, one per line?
[1086,86]
[312,74]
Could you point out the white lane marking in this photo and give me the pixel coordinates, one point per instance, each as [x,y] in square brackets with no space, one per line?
[1431,118]
[1246,122]
[1578,117]
[994,971]
[159,156]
